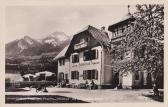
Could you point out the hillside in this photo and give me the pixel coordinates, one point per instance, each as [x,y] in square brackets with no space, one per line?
[28,46]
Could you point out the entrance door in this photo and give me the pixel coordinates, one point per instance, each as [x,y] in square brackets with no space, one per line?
[61,77]
[116,80]
[127,79]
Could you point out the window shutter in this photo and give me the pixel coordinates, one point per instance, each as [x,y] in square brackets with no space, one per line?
[72,58]
[97,54]
[63,61]
[96,74]
[77,58]
[71,74]
[84,75]
[92,74]
[77,75]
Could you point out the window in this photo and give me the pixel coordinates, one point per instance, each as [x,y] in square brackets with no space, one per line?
[120,32]
[125,29]
[61,75]
[61,62]
[74,75]
[90,55]
[129,28]
[90,74]
[136,76]
[66,76]
[86,56]
[75,58]
[115,33]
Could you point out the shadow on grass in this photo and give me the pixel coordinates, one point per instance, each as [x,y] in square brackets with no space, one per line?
[10,99]
[154,97]
[15,89]
[61,92]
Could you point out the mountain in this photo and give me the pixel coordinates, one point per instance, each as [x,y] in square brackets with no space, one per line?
[55,39]
[18,47]
[28,46]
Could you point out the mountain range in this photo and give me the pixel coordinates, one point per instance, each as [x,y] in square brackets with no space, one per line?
[28,46]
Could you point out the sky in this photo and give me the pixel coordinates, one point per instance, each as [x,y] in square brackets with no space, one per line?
[40,21]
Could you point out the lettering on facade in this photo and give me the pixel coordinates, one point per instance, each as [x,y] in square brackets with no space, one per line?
[74,65]
[95,62]
[86,63]
[83,64]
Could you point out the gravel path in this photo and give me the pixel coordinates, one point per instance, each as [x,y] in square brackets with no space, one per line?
[98,96]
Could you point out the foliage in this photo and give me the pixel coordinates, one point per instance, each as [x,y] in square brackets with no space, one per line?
[145,41]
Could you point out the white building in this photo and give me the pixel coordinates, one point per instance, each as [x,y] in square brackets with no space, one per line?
[84,59]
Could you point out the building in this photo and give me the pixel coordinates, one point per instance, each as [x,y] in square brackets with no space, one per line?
[129,79]
[84,59]
[63,65]
[87,58]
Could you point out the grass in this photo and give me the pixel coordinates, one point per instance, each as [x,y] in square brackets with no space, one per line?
[10,99]
[12,89]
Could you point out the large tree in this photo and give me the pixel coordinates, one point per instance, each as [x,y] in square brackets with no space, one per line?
[145,41]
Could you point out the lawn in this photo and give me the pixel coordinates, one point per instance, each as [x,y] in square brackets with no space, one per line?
[40,99]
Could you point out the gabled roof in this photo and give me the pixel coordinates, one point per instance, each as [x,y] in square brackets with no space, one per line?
[123,20]
[62,53]
[99,35]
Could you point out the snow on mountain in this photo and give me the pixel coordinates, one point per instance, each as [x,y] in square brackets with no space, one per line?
[51,41]
[28,46]
[28,40]
[21,46]
[55,38]
[60,36]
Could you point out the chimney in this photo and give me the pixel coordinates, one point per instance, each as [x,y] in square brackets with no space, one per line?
[129,10]
[103,28]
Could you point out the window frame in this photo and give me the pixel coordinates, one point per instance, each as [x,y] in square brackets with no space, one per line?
[90,74]
[75,60]
[74,75]
[61,62]
[90,53]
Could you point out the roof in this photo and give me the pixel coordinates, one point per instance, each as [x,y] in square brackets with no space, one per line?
[62,53]
[125,19]
[99,35]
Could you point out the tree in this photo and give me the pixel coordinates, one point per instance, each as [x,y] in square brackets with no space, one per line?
[145,41]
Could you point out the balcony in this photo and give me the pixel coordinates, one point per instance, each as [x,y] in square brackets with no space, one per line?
[80,45]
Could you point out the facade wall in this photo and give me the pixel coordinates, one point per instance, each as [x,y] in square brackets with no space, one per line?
[86,65]
[108,73]
[63,68]
[127,79]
